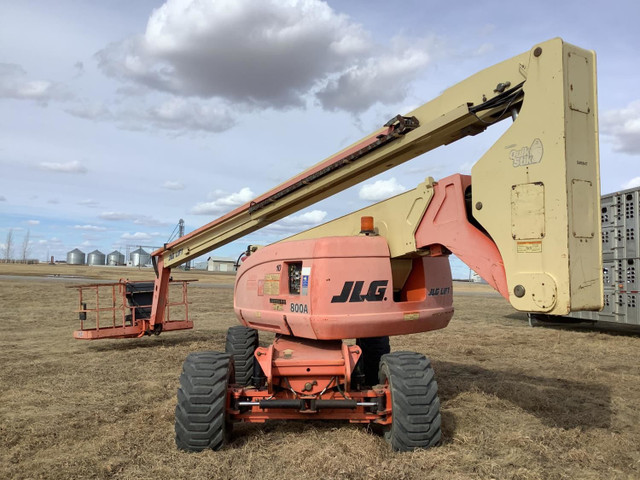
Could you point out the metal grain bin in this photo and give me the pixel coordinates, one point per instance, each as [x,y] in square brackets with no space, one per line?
[115,258]
[75,257]
[139,258]
[96,258]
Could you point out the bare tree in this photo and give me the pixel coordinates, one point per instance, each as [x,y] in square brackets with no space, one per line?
[26,246]
[8,245]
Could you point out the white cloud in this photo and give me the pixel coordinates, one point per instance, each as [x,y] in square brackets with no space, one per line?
[89,202]
[68,167]
[139,236]
[622,126]
[33,222]
[53,201]
[295,223]
[306,219]
[380,190]
[633,183]
[484,49]
[170,185]
[15,84]
[116,216]
[171,114]
[92,228]
[134,218]
[223,204]
[261,54]
[3,198]
[89,110]
[79,68]
[194,47]
[149,221]
[181,115]
[376,78]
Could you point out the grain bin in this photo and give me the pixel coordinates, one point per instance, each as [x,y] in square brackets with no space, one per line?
[95,258]
[139,258]
[115,258]
[75,257]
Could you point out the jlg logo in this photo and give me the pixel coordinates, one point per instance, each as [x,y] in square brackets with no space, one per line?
[352,291]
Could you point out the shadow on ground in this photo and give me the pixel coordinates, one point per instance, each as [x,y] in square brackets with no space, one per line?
[158,342]
[556,402]
[578,325]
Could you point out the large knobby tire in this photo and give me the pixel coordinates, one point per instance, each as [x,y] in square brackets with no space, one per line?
[241,345]
[414,399]
[201,413]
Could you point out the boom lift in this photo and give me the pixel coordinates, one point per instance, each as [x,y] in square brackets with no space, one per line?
[526,220]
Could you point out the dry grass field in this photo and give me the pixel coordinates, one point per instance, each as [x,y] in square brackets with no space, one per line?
[517,402]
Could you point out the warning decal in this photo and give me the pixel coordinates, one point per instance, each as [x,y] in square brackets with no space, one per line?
[530,247]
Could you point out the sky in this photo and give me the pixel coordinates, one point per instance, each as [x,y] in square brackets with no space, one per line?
[119,118]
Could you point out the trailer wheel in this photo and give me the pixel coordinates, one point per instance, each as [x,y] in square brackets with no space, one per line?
[241,345]
[201,413]
[414,401]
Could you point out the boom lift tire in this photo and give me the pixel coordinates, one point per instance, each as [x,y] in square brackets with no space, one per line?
[241,345]
[414,399]
[201,420]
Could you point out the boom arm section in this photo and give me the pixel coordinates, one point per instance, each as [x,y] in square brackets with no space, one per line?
[536,189]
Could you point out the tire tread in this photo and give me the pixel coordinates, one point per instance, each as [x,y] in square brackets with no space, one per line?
[241,344]
[200,415]
[416,417]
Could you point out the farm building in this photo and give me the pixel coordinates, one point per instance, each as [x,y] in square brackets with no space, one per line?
[221,264]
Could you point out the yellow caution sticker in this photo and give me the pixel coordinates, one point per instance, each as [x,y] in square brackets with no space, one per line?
[534,246]
[272,284]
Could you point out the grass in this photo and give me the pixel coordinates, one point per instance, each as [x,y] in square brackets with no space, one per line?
[517,402]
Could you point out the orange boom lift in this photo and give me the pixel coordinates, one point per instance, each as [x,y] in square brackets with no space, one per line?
[526,220]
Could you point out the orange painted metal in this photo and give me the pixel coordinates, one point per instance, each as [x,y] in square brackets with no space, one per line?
[303,361]
[118,318]
[346,290]
[446,223]
[308,372]
[160,291]
[359,414]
